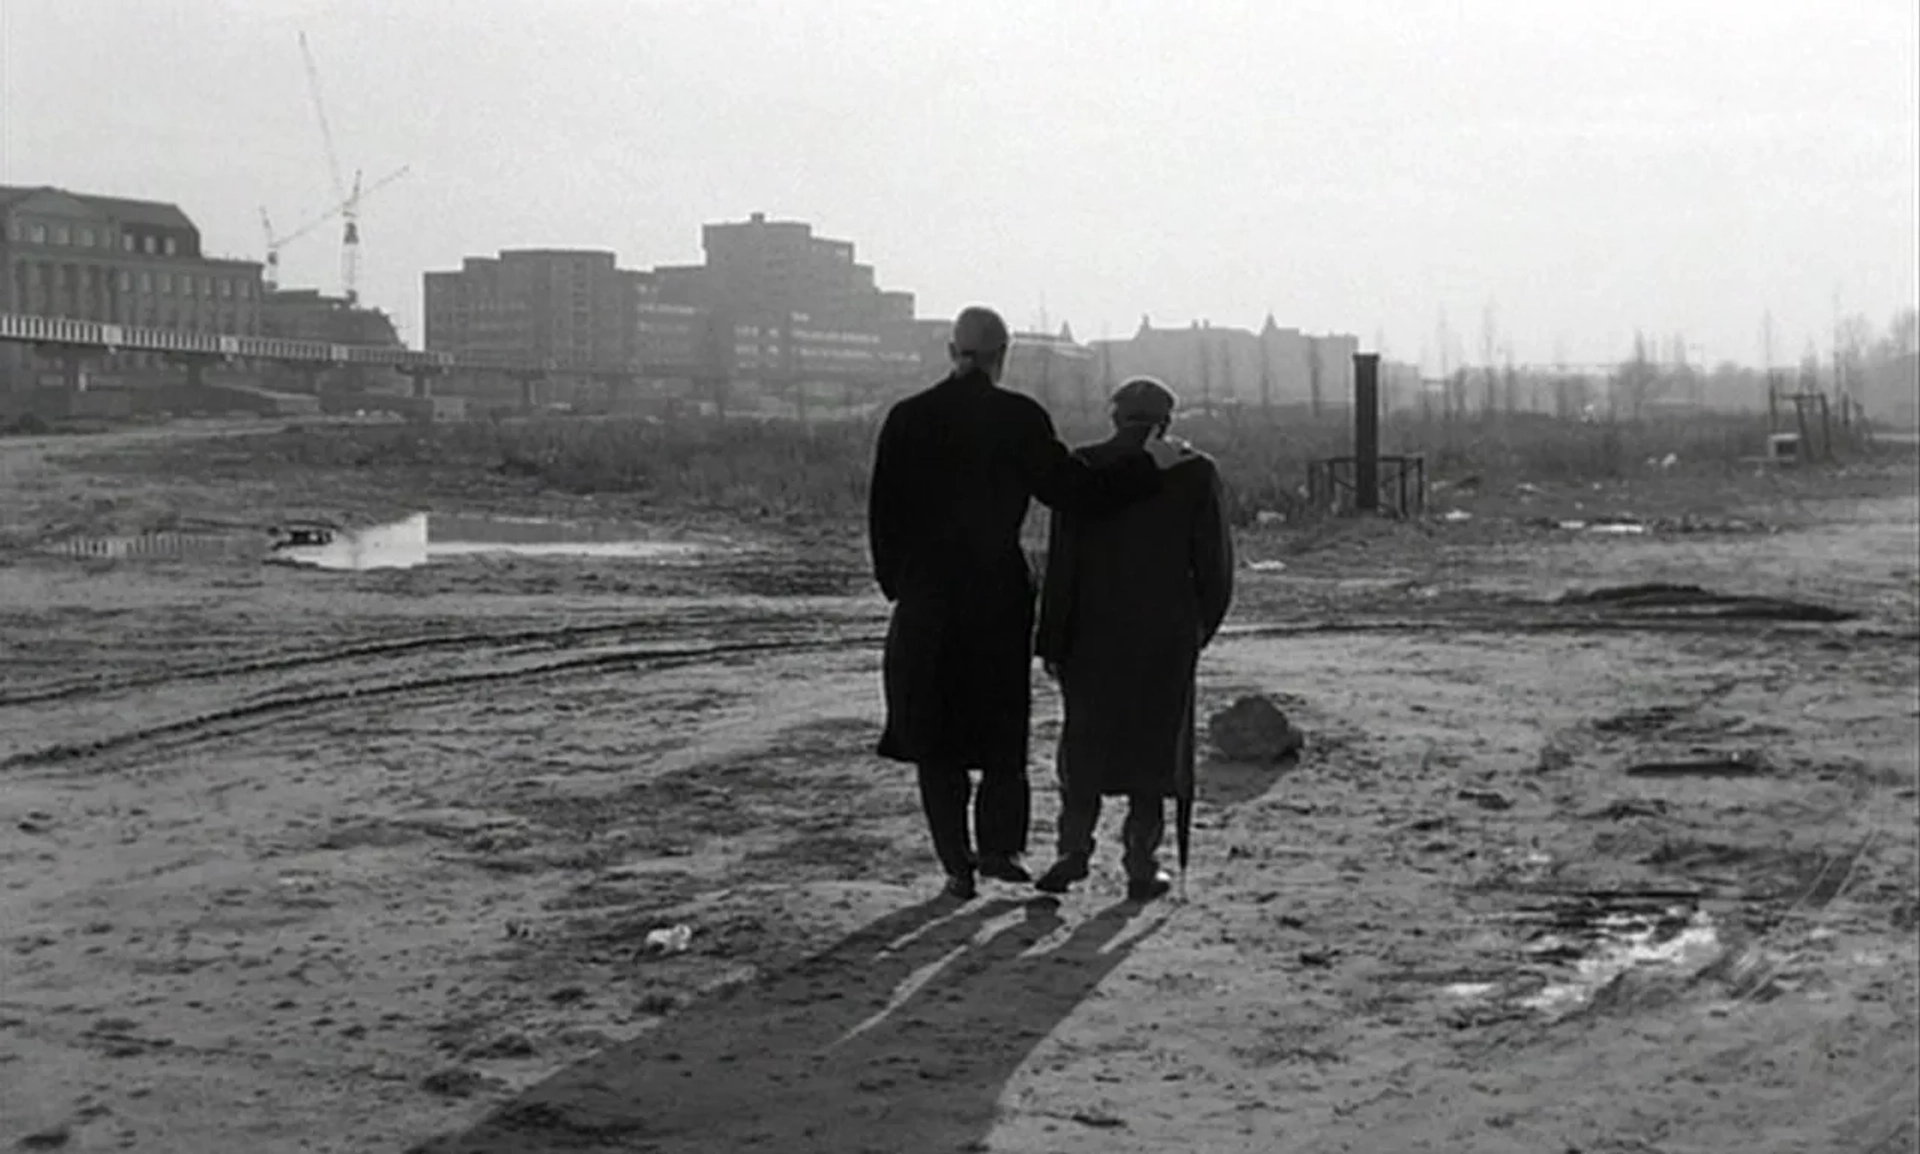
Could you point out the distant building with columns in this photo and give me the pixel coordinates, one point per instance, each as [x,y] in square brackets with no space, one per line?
[85,256]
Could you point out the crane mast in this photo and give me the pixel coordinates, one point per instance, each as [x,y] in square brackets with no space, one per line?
[349,195]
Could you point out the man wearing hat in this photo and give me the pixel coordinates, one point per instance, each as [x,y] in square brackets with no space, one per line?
[954,469]
[1128,603]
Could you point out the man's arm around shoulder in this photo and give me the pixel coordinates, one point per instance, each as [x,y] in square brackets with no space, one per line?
[1061,480]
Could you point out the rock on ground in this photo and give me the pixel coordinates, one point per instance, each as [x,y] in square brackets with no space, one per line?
[1253,729]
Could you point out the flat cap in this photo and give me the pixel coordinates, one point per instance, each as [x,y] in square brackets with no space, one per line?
[1144,399]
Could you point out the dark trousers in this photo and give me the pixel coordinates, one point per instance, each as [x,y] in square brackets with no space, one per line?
[1001,813]
[1140,838]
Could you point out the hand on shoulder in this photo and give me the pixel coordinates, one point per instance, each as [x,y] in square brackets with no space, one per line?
[1168,451]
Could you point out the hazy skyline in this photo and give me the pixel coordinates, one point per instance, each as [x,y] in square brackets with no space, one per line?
[1585,168]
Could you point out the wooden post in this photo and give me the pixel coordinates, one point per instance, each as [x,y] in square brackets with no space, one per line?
[1366,432]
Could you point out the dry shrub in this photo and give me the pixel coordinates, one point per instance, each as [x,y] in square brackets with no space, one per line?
[788,471]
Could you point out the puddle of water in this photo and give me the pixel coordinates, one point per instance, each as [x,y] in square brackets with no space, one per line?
[1626,942]
[417,540]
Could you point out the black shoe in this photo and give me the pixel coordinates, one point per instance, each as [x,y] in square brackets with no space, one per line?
[1004,869]
[961,886]
[1147,889]
[1060,877]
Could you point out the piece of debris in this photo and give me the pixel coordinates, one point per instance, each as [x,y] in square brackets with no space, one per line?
[1628,807]
[1456,515]
[1729,765]
[1254,730]
[1318,959]
[1269,517]
[457,1082]
[669,940]
[52,1138]
[1486,798]
[1099,1121]
[1266,566]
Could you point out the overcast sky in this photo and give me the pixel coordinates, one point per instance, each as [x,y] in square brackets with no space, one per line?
[1584,167]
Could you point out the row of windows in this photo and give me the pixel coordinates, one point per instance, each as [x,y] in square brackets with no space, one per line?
[841,338]
[87,236]
[188,284]
[863,355]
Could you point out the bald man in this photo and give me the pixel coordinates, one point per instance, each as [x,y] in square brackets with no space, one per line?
[954,470]
[1130,601]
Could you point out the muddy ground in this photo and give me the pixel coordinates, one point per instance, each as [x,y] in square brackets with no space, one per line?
[296,860]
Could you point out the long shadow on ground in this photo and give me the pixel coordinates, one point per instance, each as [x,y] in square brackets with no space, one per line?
[820,1057]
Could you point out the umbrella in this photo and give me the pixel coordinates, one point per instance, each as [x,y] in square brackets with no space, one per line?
[1183,829]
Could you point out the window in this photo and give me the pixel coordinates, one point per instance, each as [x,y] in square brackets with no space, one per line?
[206,287]
[166,282]
[86,237]
[127,242]
[39,233]
[226,289]
[126,281]
[146,282]
[61,236]
[172,247]
[148,245]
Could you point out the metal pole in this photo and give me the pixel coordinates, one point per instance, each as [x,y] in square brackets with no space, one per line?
[1366,432]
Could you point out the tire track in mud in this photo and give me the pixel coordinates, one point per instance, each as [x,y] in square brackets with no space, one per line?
[213,724]
[205,726]
[279,663]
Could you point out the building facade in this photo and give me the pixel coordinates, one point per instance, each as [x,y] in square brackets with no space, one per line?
[1212,366]
[771,309]
[572,305]
[761,267]
[133,262]
[115,261]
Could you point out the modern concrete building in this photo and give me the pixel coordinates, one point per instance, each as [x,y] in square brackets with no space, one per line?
[759,267]
[569,304]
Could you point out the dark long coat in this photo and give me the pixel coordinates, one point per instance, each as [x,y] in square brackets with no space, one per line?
[1129,602]
[954,469]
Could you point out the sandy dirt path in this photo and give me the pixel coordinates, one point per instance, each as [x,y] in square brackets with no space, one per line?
[380,873]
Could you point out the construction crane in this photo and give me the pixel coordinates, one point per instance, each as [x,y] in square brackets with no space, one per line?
[350,196]
[275,243]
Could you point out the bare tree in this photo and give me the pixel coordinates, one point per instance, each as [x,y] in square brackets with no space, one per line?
[1488,347]
[1637,380]
[1903,333]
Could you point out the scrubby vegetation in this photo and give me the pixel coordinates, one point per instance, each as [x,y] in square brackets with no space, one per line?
[784,470]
